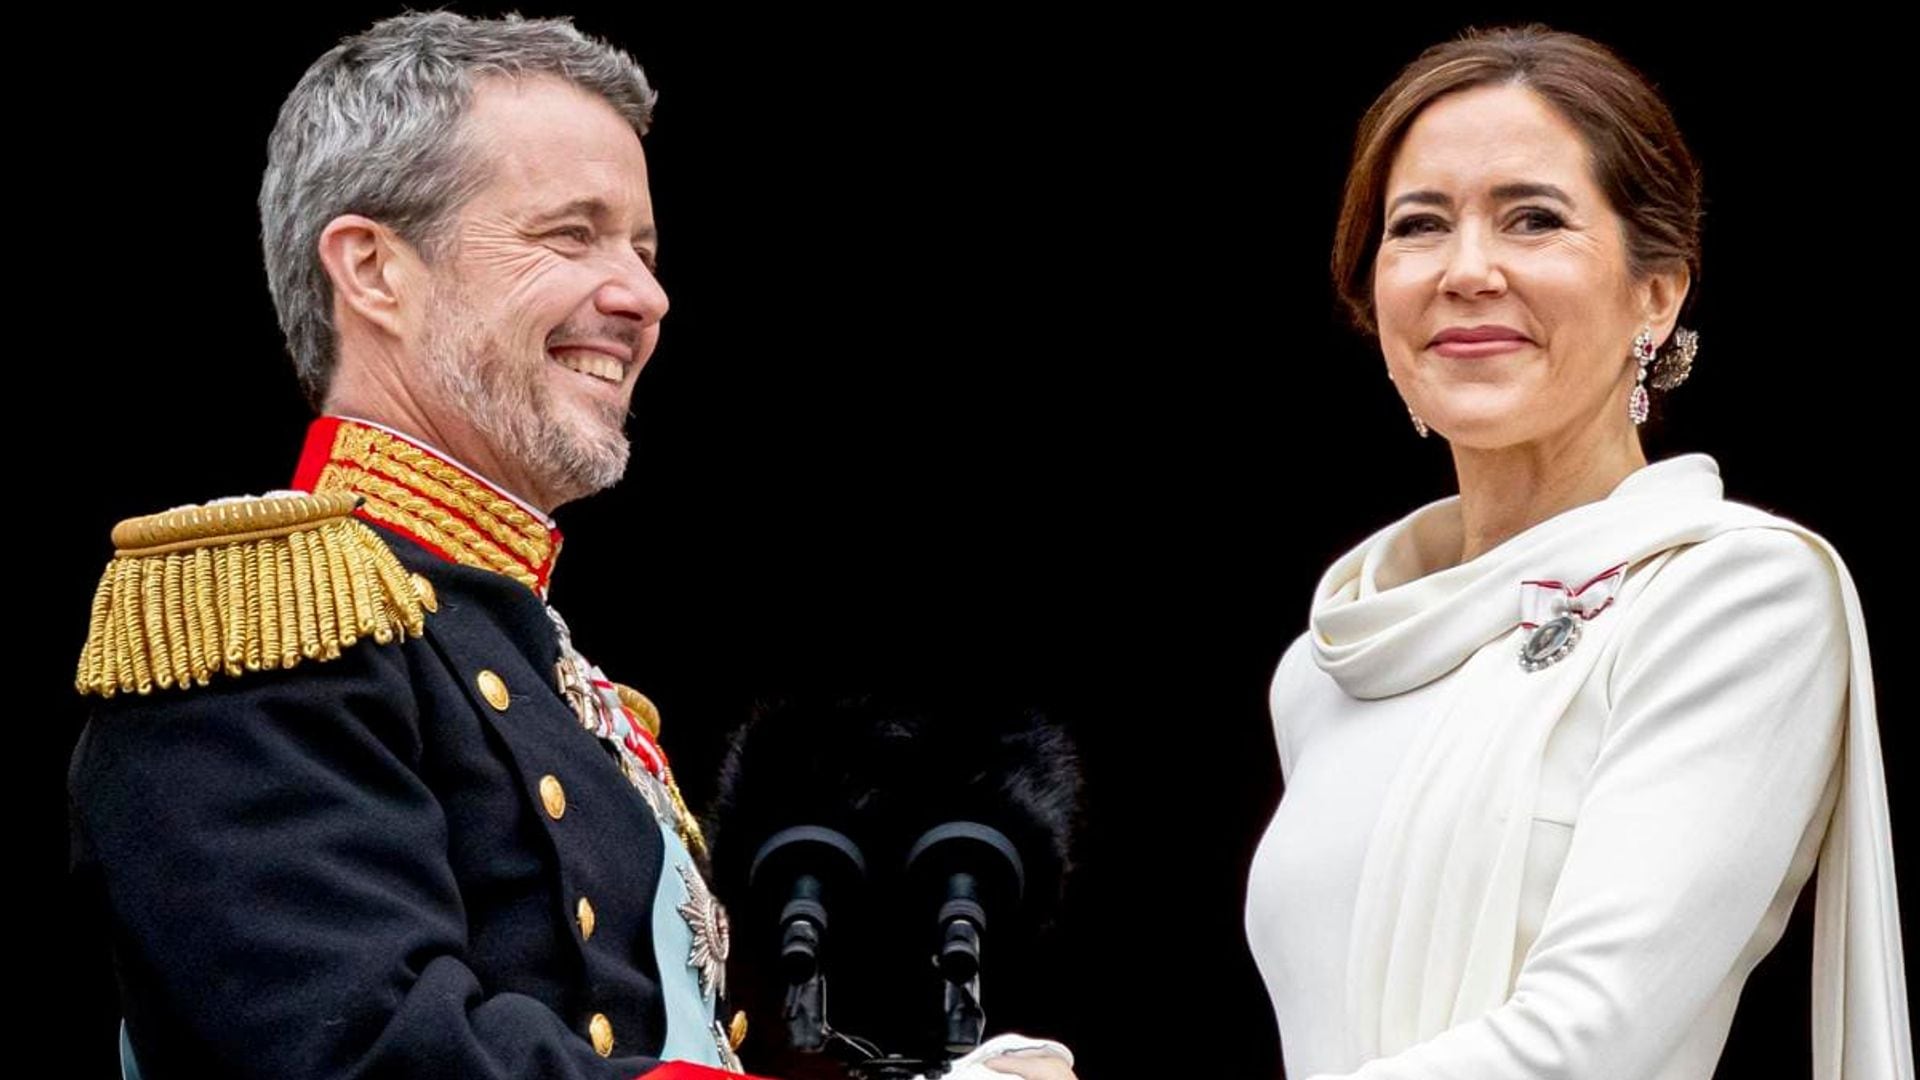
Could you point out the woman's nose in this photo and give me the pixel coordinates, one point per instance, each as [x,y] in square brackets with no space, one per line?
[1472,267]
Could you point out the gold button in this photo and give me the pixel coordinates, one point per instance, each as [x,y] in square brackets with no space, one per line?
[737,1030]
[553,795]
[494,689]
[602,1032]
[424,590]
[584,910]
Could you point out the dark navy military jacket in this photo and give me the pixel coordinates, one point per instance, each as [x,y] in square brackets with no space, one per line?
[351,869]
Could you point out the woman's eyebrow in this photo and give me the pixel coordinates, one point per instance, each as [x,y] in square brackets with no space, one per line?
[1502,193]
[1530,190]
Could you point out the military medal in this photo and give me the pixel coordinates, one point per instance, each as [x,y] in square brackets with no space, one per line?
[598,704]
[625,721]
[1550,642]
[1552,612]
[707,921]
[574,690]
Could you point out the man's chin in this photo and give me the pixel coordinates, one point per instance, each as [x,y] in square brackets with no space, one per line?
[584,466]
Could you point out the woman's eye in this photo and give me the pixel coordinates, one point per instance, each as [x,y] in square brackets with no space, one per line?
[1413,225]
[1535,219]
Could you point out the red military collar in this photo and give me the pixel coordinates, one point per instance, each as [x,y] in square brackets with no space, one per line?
[433,500]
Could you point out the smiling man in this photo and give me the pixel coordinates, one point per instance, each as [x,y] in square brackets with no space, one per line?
[355,802]
[514,339]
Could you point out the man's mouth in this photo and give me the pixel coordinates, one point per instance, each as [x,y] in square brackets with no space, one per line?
[590,362]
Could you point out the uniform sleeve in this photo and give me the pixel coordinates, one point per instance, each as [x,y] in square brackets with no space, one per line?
[1728,697]
[276,870]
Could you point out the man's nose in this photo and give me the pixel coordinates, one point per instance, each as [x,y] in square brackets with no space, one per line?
[633,291]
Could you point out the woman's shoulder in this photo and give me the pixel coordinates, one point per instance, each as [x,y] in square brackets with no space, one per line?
[1766,593]
[1760,555]
[1295,663]
[1285,693]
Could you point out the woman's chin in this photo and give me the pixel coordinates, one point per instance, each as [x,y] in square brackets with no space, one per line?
[1472,430]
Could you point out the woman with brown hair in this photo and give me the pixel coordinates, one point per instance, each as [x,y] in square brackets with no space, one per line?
[1561,750]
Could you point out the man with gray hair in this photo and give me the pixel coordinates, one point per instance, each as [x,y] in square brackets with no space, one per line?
[356,804]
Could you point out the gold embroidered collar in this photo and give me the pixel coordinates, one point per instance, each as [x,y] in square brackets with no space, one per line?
[435,502]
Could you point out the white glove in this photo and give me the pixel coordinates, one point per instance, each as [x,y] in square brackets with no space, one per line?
[969,1067]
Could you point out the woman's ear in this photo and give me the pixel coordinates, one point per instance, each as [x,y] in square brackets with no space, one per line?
[1662,296]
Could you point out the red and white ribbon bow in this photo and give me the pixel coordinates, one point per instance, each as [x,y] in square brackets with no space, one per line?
[1543,601]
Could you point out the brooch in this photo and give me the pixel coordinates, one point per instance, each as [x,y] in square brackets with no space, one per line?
[1553,612]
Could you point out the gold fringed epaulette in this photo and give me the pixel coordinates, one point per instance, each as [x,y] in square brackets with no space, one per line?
[247,585]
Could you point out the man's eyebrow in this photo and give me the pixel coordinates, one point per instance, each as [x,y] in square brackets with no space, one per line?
[593,209]
[1502,193]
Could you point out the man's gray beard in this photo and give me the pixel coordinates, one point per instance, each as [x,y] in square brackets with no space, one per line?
[512,408]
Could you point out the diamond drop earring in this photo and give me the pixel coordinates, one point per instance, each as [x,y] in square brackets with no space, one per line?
[1642,353]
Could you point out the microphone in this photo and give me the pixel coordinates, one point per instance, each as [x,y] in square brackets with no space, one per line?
[903,853]
[808,868]
[967,870]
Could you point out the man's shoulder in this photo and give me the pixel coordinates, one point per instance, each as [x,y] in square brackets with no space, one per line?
[225,591]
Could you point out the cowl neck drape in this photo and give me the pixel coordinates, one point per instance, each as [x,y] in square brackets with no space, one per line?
[1381,626]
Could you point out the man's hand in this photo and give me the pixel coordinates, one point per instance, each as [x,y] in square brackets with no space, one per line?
[1040,1066]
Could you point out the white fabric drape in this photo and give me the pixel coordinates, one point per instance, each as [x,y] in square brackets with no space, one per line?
[1440,890]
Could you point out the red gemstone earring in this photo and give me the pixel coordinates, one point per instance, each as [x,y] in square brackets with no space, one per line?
[1642,353]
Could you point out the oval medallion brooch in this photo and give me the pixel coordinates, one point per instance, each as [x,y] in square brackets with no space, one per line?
[1552,612]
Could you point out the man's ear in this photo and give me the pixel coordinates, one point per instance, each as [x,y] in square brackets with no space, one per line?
[374,272]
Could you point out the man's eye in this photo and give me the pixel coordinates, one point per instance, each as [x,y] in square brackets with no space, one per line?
[579,234]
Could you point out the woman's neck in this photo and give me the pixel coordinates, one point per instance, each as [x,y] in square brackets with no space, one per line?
[1504,492]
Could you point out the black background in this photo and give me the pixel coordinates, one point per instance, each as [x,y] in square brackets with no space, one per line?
[1002,357]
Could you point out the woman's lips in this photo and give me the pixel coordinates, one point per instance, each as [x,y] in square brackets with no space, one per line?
[1473,350]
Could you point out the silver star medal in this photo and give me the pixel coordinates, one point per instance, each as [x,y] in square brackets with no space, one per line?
[707,921]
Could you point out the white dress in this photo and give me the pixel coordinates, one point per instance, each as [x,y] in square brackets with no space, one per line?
[1484,872]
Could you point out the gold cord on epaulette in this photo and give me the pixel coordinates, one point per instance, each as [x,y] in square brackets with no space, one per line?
[250,585]
[690,832]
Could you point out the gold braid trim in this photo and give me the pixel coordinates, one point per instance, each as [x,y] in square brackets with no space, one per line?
[400,506]
[505,521]
[241,586]
[506,511]
[496,529]
[386,513]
